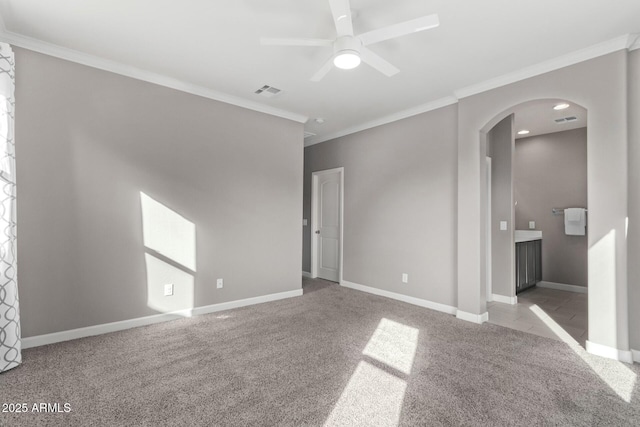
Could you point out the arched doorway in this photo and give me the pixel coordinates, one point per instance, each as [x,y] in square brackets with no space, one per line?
[607,184]
[536,257]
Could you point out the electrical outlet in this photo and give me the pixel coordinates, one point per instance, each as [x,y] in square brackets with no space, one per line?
[503,225]
[532,225]
[305,222]
[168,289]
[405,278]
[219,283]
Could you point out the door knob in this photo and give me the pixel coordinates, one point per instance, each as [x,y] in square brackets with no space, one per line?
[317,231]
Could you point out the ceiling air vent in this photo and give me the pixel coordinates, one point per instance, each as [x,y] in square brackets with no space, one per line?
[268,91]
[308,134]
[566,119]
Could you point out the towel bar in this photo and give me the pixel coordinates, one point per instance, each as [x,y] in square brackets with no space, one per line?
[558,211]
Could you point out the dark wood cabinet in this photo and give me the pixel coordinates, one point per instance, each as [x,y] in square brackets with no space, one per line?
[528,264]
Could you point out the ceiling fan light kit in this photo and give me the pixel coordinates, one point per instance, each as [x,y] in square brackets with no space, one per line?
[349,50]
[347,59]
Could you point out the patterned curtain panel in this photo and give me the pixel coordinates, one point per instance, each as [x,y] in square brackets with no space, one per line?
[10,347]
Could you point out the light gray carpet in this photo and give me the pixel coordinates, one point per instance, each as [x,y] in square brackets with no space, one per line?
[301,362]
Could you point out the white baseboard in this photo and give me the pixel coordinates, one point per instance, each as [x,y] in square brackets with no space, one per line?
[563,287]
[306,274]
[609,352]
[636,355]
[400,297]
[474,318]
[505,300]
[105,328]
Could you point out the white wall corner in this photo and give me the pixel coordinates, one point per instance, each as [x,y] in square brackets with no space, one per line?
[504,299]
[306,274]
[400,297]
[636,355]
[105,328]
[609,352]
[563,287]
[474,318]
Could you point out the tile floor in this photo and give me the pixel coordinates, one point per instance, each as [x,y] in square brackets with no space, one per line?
[565,309]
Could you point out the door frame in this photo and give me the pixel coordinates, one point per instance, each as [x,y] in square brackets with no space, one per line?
[314,220]
[489,278]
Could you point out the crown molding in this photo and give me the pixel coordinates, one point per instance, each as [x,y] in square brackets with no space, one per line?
[430,106]
[630,42]
[634,42]
[139,74]
[609,46]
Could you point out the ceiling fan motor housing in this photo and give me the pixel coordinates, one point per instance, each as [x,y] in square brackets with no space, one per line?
[347,44]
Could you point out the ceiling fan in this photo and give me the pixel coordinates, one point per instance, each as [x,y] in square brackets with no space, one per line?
[349,49]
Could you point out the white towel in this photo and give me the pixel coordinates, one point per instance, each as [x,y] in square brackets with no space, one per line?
[575,221]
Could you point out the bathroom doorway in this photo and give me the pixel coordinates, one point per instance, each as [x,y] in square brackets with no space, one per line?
[537,271]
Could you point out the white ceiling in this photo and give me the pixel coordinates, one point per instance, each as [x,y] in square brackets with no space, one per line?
[538,117]
[213,45]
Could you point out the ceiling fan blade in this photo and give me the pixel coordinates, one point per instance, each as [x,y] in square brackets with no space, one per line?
[378,62]
[294,42]
[323,71]
[341,11]
[401,29]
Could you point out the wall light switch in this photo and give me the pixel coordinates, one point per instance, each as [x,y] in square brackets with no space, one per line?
[168,289]
[503,225]
[405,278]
[219,283]
[532,225]
[304,222]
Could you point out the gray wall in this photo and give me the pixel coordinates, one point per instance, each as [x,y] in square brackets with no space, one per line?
[551,172]
[634,198]
[500,142]
[600,86]
[399,204]
[88,142]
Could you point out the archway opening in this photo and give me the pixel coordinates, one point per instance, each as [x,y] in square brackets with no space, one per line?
[535,228]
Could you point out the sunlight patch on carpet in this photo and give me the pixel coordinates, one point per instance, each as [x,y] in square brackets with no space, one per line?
[372,397]
[393,344]
[616,375]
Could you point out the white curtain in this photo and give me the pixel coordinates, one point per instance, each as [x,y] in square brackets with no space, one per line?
[10,346]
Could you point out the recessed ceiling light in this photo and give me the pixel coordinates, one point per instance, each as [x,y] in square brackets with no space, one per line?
[523,132]
[347,59]
[319,120]
[561,106]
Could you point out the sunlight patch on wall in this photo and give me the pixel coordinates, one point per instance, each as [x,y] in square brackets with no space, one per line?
[626,228]
[372,397]
[602,288]
[170,257]
[168,233]
[160,272]
[393,344]
[616,375]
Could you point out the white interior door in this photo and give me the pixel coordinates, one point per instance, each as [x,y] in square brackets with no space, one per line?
[327,224]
